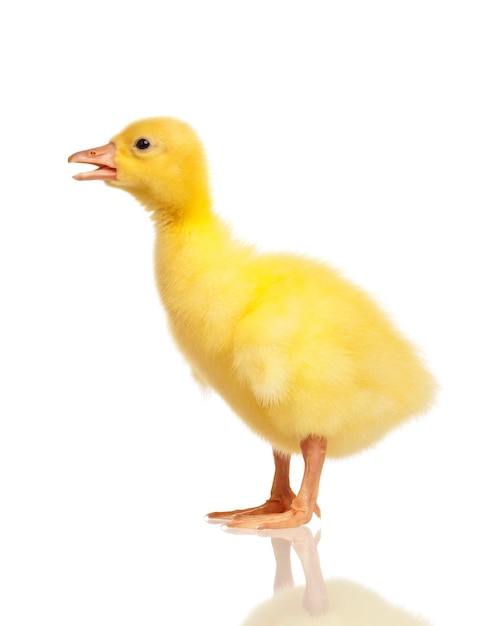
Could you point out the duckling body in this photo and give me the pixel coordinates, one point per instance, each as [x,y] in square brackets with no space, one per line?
[291,346]
[303,356]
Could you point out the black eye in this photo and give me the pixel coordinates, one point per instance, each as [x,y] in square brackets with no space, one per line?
[142,143]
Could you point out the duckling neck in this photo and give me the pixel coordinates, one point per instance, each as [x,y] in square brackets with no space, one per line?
[197,265]
[189,248]
[171,212]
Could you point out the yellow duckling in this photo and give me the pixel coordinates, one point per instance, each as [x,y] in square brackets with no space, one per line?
[303,356]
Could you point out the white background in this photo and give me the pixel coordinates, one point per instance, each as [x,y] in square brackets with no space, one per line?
[352,131]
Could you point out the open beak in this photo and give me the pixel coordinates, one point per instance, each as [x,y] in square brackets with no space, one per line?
[103,157]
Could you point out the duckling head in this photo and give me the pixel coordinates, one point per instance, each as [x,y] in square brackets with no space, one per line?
[160,161]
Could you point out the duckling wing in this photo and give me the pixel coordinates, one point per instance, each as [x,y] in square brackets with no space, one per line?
[262,352]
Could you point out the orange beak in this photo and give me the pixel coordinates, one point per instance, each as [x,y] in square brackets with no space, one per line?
[103,157]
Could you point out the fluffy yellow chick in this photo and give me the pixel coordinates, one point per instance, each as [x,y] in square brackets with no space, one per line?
[303,356]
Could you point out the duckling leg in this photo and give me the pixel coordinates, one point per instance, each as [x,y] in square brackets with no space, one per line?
[281,494]
[304,504]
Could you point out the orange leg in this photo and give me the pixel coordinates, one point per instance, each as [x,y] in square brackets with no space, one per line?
[281,494]
[284,509]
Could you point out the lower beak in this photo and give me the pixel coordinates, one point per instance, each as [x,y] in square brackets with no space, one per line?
[103,157]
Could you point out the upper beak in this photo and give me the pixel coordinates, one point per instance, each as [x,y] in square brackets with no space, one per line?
[104,157]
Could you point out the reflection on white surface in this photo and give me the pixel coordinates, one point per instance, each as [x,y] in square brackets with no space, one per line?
[319,602]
